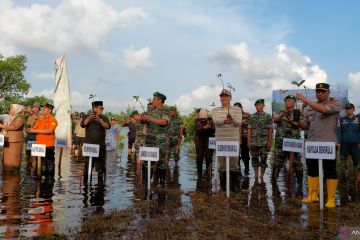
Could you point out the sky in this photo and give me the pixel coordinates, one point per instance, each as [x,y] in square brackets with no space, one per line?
[117,49]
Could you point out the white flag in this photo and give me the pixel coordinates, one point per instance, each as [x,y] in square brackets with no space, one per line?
[62,101]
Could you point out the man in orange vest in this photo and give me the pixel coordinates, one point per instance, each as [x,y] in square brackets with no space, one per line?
[44,129]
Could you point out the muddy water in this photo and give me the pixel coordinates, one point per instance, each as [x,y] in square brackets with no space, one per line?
[30,206]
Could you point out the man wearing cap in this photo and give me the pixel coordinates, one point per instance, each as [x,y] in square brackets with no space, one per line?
[227,121]
[348,135]
[157,120]
[95,124]
[176,127]
[288,125]
[259,138]
[44,128]
[31,120]
[321,117]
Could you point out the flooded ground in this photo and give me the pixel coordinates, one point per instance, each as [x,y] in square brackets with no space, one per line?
[185,207]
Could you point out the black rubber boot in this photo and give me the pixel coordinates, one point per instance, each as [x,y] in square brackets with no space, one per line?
[246,163]
[199,167]
[235,179]
[222,175]
[162,176]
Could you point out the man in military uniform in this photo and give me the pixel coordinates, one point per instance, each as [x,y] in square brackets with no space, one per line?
[348,135]
[259,138]
[31,120]
[289,123]
[139,133]
[322,119]
[176,127]
[157,120]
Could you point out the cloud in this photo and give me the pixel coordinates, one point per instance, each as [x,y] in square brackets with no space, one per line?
[194,20]
[201,97]
[261,75]
[44,75]
[354,82]
[137,59]
[71,25]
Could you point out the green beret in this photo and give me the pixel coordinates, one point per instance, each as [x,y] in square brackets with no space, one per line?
[160,95]
[290,97]
[197,110]
[172,108]
[133,113]
[260,101]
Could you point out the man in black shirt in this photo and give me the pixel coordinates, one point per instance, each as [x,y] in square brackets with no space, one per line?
[95,124]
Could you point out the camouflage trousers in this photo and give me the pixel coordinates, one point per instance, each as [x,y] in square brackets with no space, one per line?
[259,156]
[280,158]
[171,150]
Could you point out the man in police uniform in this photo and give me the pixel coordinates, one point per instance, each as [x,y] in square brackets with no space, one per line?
[348,135]
[321,117]
[157,120]
[289,123]
[259,138]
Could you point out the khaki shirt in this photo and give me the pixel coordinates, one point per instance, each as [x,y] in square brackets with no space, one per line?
[322,126]
[227,132]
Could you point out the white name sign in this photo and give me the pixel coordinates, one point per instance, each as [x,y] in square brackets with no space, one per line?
[2,140]
[91,150]
[227,148]
[29,144]
[212,143]
[320,150]
[38,150]
[61,142]
[293,145]
[149,154]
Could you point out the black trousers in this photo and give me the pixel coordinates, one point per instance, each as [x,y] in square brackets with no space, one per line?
[329,167]
[48,162]
[202,150]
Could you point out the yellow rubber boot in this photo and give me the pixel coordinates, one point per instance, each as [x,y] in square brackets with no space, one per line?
[313,190]
[331,185]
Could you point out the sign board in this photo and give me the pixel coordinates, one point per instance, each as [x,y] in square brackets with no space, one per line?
[29,144]
[149,154]
[61,142]
[212,143]
[91,150]
[227,148]
[2,140]
[293,145]
[320,150]
[38,150]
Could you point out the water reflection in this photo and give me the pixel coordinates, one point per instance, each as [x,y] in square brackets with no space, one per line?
[61,199]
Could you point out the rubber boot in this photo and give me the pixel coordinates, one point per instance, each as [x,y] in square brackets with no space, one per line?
[331,185]
[299,180]
[162,176]
[222,175]
[313,190]
[199,167]
[246,163]
[235,178]
[275,173]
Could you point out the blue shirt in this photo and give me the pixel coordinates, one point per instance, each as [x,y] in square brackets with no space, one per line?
[348,130]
